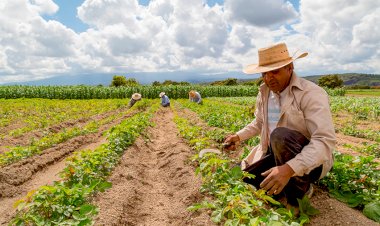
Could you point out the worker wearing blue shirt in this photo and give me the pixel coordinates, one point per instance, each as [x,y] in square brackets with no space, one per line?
[165,102]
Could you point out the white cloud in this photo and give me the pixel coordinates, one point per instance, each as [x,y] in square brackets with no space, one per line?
[44,6]
[171,35]
[261,13]
[340,35]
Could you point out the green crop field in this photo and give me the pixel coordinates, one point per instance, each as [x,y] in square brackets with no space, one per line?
[363,92]
[37,134]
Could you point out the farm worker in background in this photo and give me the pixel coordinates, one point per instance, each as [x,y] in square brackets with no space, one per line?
[194,96]
[135,97]
[294,121]
[165,102]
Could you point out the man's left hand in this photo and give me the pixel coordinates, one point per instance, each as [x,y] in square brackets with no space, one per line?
[276,178]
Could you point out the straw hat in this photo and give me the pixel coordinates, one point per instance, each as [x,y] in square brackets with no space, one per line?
[161,94]
[272,58]
[192,93]
[136,96]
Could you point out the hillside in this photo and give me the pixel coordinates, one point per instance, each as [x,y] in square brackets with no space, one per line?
[351,79]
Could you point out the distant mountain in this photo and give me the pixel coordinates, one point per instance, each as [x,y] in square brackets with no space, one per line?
[142,78]
[352,79]
[349,79]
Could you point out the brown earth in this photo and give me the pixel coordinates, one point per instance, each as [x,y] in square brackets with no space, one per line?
[155,183]
[28,174]
[332,211]
[26,138]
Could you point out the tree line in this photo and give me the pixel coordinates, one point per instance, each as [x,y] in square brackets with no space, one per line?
[329,81]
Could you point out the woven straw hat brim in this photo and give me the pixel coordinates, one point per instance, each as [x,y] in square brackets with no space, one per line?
[161,94]
[255,68]
[136,96]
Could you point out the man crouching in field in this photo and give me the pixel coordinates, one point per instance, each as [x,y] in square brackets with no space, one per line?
[294,121]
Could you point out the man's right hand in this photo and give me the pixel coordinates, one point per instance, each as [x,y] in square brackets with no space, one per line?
[231,142]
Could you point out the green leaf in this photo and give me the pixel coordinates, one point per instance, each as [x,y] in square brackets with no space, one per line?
[87,209]
[306,207]
[217,216]
[372,211]
[232,222]
[275,223]
[348,197]
[236,172]
[105,185]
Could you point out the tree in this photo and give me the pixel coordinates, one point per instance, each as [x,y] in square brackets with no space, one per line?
[131,82]
[330,81]
[227,82]
[118,80]
[156,83]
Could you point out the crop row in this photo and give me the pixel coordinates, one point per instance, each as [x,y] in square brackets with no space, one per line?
[151,92]
[366,108]
[17,153]
[234,202]
[355,180]
[68,202]
[96,92]
[31,114]
[347,170]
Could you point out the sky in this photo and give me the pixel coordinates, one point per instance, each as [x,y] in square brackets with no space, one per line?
[42,39]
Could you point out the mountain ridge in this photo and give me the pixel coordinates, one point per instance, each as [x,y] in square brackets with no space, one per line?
[349,79]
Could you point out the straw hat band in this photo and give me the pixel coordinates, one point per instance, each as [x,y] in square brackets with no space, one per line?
[272,58]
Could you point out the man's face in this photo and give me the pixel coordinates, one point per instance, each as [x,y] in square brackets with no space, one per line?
[277,80]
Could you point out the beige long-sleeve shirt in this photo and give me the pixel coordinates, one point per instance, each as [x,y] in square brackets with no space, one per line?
[305,108]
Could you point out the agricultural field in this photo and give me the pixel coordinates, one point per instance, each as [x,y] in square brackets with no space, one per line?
[364,92]
[96,161]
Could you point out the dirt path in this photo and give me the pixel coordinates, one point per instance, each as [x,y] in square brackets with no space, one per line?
[154,183]
[44,177]
[19,178]
[25,139]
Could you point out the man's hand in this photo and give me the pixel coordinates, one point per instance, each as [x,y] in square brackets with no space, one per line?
[276,178]
[231,142]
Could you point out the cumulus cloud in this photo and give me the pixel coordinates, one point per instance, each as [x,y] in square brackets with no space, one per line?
[341,35]
[44,6]
[261,13]
[172,35]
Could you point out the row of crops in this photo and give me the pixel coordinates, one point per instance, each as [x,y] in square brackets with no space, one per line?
[151,92]
[31,114]
[353,180]
[95,92]
[234,202]
[68,201]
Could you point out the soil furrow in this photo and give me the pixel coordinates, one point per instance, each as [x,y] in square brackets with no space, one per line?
[153,185]
[332,211]
[19,178]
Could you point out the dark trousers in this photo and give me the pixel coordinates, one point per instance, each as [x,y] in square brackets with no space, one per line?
[165,105]
[285,144]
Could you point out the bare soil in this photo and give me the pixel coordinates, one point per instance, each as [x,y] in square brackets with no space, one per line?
[332,211]
[153,184]
[26,138]
[21,177]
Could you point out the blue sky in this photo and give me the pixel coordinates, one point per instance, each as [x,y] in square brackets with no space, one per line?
[68,10]
[42,39]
